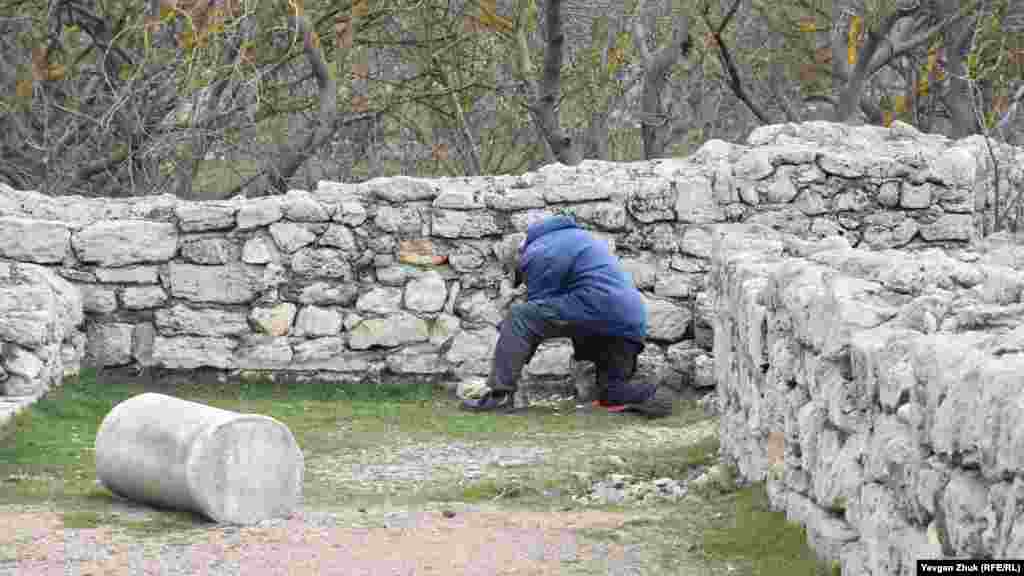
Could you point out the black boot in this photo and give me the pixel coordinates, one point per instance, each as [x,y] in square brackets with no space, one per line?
[497,401]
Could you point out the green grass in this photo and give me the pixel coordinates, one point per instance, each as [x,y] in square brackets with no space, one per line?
[760,539]
[46,456]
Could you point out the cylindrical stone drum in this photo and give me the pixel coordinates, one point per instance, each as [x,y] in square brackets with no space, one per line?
[230,467]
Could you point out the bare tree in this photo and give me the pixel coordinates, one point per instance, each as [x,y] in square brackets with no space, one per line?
[548,92]
[659,128]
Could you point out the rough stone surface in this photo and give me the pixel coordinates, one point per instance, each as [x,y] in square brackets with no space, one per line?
[41,315]
[142,297]
[180,320]
[228,284]
[120,243]
[275,321]
[208,250]
[381,301]
[395,330]
[314,322]
[110,344]
[39,241]
[190,352]
[428,253]
[868,401]
[203,216]
[427,293]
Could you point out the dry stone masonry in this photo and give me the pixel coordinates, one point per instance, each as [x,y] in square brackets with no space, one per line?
[879,393]
[398,277]
[867,345]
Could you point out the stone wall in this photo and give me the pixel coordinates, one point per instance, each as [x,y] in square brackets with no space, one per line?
[879,393]
[41,340]
[397,277]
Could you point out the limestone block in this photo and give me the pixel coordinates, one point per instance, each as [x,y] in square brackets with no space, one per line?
[180,320]
[515,199]
[350,213]
[754,164]
[290,236]
[399,219]
[675,285]
[321,263]
[339,236]
[426,293]
[18,361]
[234,283]
[208,250]
[478,308]
[467,258]
[110,344]
[964,502]
[582,189]
[473,350]
[301,206]
[653,201]
[390,332]
[381,301]
[328,293]
[459,200]
[275,321]
[142,343]
[142,297]
[263,352]
[889,230]
[444,328]
[551,359]
[128,275]
[395,275]
[203,216]
[401,189]
[37,307]
[463,224]
[40,241]
[417,359]
[666,321]
[231,467]
[781,190]
[190,352]
[260,250]
[949,227]
[610,216]
[259,212]
[956,168]
[696,202]
[696,242]
[314,321]
[97,299]
[124,242]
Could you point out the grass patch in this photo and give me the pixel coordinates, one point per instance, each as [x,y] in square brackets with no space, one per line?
[666,462]
[761,540]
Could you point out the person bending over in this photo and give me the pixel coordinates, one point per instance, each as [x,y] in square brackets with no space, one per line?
[575,289]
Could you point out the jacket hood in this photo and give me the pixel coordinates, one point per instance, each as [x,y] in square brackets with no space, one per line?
[550,224]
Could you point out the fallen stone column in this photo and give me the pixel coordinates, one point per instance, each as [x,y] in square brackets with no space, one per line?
[231,467]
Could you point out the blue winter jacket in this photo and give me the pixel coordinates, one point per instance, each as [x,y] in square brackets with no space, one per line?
[574,272]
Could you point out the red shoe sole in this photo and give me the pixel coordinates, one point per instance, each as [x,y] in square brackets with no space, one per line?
[609,407]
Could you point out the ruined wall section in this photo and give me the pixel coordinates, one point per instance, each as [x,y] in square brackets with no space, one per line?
[397,277]
[879,393]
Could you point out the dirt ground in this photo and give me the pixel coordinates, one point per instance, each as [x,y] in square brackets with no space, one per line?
[423,543]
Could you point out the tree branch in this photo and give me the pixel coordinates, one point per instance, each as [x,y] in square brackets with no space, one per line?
[735,82]
[546,108]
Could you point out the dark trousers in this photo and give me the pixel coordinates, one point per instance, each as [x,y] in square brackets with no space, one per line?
[528,324]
